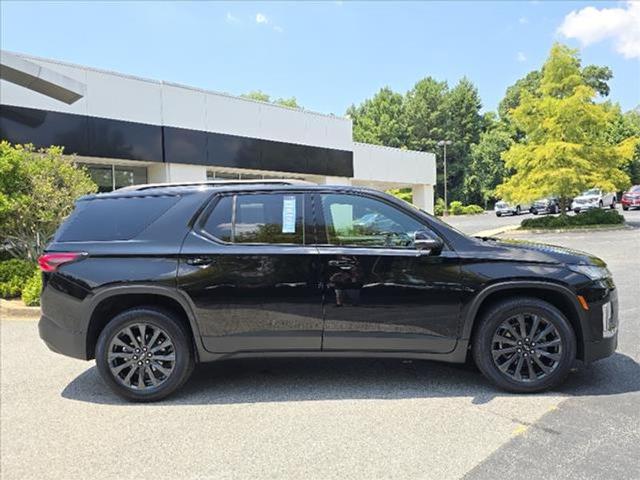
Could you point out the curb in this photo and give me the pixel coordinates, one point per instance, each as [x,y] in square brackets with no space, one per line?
[496,231]
[575,230]
[16,310]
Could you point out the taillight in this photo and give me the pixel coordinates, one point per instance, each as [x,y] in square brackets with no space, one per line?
[49,262]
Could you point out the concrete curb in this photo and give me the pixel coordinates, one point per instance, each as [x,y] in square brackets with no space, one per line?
[575,230]
[496,231]
[16,310]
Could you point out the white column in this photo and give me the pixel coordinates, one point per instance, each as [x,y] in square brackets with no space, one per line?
[423,197]
[179,172]
[336,181]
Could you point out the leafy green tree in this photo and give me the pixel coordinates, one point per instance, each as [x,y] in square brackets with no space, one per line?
[565,148]
[263,97]
[37,190]
[380,120]
[487,169]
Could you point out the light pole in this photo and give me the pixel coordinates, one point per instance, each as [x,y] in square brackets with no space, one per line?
[444,143]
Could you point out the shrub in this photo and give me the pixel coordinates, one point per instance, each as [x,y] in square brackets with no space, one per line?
[31,290]
[592,217]
[439,207]
[13,275]
[472,209]
[455,208]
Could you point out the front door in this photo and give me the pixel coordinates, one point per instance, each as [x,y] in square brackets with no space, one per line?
[379,292]
[250,276]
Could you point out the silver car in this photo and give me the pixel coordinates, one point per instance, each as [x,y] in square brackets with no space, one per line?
[504,208]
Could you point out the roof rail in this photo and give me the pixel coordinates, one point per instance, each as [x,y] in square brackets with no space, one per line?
[214,183]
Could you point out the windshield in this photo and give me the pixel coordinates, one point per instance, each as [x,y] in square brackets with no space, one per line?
[593,191]
[635,189]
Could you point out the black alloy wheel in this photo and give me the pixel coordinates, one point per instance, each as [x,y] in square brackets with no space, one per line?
[524,345]
[144,354]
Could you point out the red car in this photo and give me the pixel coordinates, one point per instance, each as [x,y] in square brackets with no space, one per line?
[631,198]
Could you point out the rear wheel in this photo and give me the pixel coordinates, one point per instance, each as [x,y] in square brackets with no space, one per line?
[518,210]
[144,354]
[524,345]
[624,207]
[613,203]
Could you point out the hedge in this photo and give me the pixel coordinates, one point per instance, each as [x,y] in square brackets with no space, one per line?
[32,289]
[14,274]
[595,216]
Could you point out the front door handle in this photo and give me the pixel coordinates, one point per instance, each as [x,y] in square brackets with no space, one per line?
[200,261]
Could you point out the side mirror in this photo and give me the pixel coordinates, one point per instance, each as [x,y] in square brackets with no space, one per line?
[425,243]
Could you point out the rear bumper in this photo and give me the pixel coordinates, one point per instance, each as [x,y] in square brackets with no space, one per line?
[61,340]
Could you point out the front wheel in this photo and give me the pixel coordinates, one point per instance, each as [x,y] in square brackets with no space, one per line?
[524,345]
[144,354]
[613,203]
[625,208]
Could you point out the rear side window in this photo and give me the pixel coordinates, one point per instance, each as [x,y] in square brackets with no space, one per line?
[113,218]
[260,218]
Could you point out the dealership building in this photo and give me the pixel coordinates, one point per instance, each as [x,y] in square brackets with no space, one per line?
[130,130]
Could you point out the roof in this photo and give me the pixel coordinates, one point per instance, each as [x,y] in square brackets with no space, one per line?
[160,189]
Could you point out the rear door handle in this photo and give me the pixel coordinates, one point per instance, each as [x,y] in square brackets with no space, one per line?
[200,261]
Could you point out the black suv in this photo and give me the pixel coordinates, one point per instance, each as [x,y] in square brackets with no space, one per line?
[153,279]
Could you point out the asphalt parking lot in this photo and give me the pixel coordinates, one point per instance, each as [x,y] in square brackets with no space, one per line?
[332,419]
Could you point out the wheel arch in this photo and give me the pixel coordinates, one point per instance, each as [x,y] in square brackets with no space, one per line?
[108,303]
[559,296]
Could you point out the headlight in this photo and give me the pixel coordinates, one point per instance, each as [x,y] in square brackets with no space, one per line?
[594,273]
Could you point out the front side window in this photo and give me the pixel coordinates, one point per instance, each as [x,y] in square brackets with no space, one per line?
[260,218]
[352,220]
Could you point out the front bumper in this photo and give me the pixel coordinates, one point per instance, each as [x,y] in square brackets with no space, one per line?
[634,202]
[505,211]
[601,335]
[580,207]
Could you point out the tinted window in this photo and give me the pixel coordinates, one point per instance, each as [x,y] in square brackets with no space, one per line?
[364,222]
[219,222]
[113,218]
[261,218]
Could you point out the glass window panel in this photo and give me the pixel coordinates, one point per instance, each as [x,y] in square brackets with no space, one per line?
[102,175]
[126,176]
[275,218]
[219,222]
[364,222]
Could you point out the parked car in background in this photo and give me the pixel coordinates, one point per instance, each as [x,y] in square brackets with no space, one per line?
[149,280]
[504,208]
[593,198]
[546,205]
[631,198]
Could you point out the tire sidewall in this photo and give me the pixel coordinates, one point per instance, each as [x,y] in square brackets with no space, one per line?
[184,354]
[483,340]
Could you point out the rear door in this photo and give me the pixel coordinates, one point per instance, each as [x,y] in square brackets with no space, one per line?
[251,276]
[379,292]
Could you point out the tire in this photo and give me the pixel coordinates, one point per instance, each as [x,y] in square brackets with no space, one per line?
[172,333]
[600,204]
[535,212]
[625,208]
[498,214]
[518,210]
[613,203]
[491,324]
[554,209]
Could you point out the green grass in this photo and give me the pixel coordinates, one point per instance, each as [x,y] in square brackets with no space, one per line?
[592,218]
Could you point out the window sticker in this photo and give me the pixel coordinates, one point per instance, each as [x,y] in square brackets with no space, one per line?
[289,214]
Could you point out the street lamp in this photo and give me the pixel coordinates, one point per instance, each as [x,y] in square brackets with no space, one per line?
[444,143]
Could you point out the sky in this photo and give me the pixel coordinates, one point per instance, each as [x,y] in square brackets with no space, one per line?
[331,54]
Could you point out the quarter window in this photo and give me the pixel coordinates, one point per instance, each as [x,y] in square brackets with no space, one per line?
[364,222]
[260,218]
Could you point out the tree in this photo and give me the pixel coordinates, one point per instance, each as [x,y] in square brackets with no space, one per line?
[565,148]
[37,191]
[487,169]
[593,75]
[263,97]
[380,120]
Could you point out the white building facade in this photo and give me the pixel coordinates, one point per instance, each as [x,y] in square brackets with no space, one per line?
[130,130]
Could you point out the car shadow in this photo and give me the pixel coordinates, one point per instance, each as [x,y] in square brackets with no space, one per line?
[297,380]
